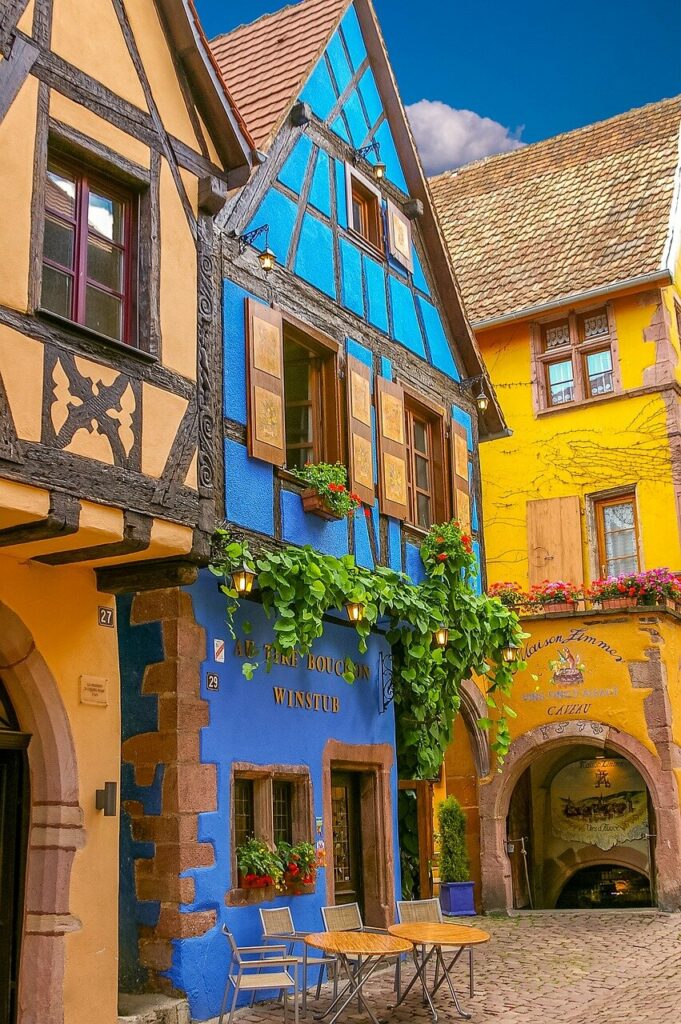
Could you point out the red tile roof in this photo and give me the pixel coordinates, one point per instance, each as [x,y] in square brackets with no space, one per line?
[265,64]
[579,211]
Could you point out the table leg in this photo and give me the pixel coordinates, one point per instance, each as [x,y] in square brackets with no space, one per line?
[304,999]
[421,974]
[356,982]
[446,977]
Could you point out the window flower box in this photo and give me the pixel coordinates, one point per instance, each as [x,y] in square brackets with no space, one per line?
[317,504]
[559,606]
[610,603]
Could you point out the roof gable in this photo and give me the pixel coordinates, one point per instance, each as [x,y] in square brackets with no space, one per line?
[351,89]
[571,214]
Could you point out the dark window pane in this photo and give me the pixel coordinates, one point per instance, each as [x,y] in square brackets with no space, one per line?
[104,263]
[56,292]
[422,473]
[58,243]
[60,193]
[298,397]
[423,510]
[421,436]
[244,816]
[106,216]
[358,216]
[282,808]
[103,313]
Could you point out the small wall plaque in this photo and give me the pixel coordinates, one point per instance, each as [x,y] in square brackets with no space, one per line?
[105,616]
[94,690]
[212,681]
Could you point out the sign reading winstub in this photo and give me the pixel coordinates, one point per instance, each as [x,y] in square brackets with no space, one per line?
[602,802]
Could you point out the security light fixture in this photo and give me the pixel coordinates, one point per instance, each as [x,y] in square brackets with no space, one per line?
[266,257]
[509,653]
[355,610]
[242,579]
[441,636]
[378,168]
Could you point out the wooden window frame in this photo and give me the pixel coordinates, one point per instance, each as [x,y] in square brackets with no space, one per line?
[434,416]
[575,349]
[326,404]
[88,179]
[370,197]
[598,504]
[264,777]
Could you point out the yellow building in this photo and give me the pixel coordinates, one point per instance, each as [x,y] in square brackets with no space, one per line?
[567,253]
[118,144]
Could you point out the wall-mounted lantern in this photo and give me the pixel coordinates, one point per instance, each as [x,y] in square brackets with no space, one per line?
[355,611]
[378,169]
[441,636]
[266,257]
[242,579]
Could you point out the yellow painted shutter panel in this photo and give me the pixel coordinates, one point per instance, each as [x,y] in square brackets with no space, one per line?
[360,448]
[554,540]
[459,464]
[392,449]
[265,361]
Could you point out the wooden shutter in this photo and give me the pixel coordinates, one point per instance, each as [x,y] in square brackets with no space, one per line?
[458,440]
[360,448]
[554,540]
[265,360]
[392,449]
[399,237]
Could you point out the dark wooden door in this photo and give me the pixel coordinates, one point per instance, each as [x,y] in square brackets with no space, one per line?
[347,838]
[519,827]
[12,843]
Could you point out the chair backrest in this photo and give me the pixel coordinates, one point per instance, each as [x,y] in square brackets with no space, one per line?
[277,922]
[411,911]
[346,918]
[236,956]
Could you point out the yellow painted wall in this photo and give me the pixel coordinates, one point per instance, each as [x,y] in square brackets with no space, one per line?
[578,450]
[178,282]
[59,608]
[17,143]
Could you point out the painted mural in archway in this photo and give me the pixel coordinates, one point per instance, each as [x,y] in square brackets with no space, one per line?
[497,790]
[56,824]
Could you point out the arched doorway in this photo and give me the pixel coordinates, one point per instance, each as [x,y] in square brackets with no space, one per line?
[570,739]
[34,705]
[578,809]
[14,817]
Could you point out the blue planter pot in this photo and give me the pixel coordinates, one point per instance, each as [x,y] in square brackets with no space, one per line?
[456,899]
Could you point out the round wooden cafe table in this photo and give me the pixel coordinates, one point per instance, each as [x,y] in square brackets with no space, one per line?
[435,935]
[370,949]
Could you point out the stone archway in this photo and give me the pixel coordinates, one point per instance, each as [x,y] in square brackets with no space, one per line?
[495,797]
[56,825]
[563,871]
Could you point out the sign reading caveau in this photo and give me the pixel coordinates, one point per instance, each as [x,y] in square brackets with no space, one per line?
[566,694]
[319,663]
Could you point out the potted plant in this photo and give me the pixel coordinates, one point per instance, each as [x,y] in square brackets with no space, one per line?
[258,865]
[651,587]
[299,864]
[612,592]
[456,889]
[327,493]
[555,596]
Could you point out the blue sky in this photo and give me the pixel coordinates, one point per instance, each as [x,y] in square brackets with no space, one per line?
[535,68]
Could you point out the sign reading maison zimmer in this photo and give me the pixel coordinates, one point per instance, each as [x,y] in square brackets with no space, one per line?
[320,663]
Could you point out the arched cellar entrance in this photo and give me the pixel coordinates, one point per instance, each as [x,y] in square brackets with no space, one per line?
[578,821]
[605,887]
[573,795]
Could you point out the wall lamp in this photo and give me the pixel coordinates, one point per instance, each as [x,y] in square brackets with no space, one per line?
[481,399]
[105,799]
[242,579]
[441,636]
[509,653]
[266,258]
[373,147]
[355,611]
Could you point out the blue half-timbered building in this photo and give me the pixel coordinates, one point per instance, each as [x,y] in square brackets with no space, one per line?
[353,348]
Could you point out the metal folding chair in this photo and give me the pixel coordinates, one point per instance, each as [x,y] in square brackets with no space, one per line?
[265,979]
[278,924]
[348,918]
[413,911]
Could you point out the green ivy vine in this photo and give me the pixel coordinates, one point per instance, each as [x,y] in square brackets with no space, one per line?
[299,586]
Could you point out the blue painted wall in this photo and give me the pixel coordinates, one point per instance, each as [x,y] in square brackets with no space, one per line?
[246,724]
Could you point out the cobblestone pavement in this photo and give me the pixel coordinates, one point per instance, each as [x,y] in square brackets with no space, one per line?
[547,968]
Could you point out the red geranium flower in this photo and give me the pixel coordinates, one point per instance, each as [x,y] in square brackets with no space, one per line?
[367,513]
[442,556]
[439,540]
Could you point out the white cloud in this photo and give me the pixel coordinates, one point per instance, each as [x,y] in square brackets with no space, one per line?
[447,137]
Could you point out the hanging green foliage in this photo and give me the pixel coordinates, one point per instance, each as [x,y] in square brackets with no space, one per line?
[299,586]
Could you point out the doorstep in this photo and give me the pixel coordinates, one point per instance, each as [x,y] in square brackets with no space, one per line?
[151,1008]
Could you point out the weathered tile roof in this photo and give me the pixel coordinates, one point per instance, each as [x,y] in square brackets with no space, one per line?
[579,211]
[264,64]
